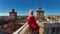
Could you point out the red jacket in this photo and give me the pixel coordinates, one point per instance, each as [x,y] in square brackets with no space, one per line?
[32,23]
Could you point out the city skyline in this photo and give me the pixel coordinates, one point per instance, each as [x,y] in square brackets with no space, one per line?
[22,7]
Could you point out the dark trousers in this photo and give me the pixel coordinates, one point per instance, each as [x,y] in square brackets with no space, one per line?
[35,31]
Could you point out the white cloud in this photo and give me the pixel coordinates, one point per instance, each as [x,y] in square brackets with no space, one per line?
[4,14]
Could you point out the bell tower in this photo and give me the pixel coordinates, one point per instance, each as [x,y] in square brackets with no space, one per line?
[40,12]
[13,14]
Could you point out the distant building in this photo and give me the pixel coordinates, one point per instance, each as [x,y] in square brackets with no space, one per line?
[40,14]
[13,14]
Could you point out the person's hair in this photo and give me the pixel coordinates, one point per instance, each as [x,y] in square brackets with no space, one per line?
[31,12]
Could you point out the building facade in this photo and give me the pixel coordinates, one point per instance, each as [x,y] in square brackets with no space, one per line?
[13,14]
[40,14]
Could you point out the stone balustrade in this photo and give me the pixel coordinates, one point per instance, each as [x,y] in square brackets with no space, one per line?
[25,29]
[45,28]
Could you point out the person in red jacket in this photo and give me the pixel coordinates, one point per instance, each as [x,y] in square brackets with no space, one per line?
[32,23]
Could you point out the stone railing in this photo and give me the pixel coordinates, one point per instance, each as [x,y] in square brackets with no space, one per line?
[45,28]
[25,29]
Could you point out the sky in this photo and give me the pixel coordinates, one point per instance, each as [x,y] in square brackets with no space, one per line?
[22,7]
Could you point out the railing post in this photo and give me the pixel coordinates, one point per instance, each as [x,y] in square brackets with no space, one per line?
[29,31]
[49,31]
[41,30]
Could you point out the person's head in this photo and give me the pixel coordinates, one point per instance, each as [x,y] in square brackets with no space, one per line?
[31,12]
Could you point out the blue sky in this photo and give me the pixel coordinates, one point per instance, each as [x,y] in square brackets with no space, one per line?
[22,7]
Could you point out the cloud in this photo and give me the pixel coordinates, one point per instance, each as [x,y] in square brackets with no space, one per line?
[4,14]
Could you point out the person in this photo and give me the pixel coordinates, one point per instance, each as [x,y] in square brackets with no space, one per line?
[32,23]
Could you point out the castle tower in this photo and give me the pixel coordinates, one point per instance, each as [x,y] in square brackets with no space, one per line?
[13,14]
[40,13]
